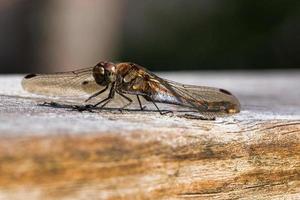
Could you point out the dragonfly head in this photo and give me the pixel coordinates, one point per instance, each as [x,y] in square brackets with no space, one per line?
[105,73]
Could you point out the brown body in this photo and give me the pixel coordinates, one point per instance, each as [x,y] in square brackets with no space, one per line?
[132,79]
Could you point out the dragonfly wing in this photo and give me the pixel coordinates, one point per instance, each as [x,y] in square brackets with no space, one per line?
[203,99]
[74,83]
[212,99]
[206,100]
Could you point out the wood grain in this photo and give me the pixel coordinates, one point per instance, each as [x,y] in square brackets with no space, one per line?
[142,155]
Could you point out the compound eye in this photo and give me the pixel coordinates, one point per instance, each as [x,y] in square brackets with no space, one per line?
[102,71]
[101,64]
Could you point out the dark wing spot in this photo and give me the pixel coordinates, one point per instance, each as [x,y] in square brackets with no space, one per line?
[84,82]
[225,91]
[30,76]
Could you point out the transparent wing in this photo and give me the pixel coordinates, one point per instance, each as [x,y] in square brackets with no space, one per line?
[205,99]
[73,83]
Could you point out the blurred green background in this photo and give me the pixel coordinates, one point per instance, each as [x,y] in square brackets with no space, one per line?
[60,35]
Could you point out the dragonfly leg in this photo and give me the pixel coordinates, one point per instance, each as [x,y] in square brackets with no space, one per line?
[127,98]
[96,94]
[108,99]
[140,103]
[160,112]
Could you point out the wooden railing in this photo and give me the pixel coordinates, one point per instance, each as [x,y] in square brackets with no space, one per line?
[57,153]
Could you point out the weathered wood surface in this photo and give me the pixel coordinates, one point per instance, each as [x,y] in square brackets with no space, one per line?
[53,153]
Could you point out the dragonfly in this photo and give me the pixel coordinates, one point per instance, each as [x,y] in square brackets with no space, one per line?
[130,80]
